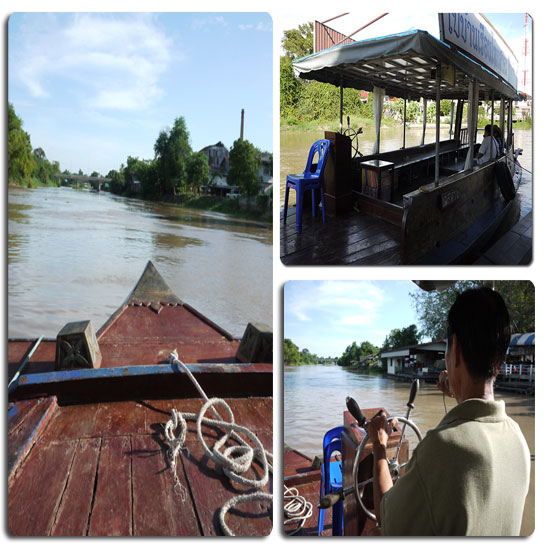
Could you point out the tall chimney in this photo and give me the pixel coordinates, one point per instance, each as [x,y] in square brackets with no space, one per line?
[242,124]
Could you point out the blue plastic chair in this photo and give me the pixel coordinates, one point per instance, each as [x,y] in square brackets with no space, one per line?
[308,181]
[331,480]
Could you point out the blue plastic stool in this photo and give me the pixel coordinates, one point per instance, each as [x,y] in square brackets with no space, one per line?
[308,181]
[331,480]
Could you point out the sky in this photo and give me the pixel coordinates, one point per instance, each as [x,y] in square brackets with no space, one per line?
[511,27]
[327,316]
[95,88]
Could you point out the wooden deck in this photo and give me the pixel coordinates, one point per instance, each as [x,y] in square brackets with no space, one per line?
[299,474]
[515,247]
[102,469]
[350,239]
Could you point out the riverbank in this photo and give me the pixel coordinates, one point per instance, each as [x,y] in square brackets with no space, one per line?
[259,208]
[289,125]
[256,209]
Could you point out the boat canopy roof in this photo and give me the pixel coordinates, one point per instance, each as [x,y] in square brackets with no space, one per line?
[404,65]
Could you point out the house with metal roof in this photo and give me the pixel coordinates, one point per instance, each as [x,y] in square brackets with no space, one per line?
[423,360]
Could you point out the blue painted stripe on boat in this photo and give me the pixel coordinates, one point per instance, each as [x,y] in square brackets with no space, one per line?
[125,372]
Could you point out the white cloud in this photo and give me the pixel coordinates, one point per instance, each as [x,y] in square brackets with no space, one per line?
[336,303]
[109,61]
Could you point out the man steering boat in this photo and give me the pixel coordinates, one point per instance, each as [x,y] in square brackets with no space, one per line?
[469,475]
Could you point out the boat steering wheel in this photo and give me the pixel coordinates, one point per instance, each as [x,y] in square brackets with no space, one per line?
[394,464]
[354,137]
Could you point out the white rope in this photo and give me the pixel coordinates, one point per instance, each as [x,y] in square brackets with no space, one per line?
[234,460]
[296,508]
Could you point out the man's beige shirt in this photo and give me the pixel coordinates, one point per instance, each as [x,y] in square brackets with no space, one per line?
[468,476]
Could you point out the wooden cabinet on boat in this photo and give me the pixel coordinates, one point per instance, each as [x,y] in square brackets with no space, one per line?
[337,176]
[355,521]
[377,179]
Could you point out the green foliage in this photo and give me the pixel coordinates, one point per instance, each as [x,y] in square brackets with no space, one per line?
[302,101]
[291,353]
[196,171]
[432,308]
[298,42]
[398,338]
[354,353]
[21,162]
[244,163]
[293,356]
[172,151]
[291,88]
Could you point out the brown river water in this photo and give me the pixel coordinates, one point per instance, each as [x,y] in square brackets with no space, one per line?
[75,255]
[305,421]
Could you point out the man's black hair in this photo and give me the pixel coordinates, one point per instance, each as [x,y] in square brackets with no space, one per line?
[479,318]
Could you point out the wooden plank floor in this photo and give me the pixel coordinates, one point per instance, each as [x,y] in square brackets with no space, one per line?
[299,474]
[350,239]
[102,469]
[515,247]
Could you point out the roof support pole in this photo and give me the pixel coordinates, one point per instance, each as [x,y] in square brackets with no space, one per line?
[502,120]
[473,95]
[379,94]
[451,120]
[509,126]
[458,121]
[492,112]
[424,118]
[404,118]
[341,105]
[437,125]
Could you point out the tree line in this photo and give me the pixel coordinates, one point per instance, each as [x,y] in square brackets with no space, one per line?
[27,166]
[175,169]
[432,309]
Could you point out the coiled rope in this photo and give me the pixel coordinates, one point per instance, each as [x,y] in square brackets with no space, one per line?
[234,460]
[296,508]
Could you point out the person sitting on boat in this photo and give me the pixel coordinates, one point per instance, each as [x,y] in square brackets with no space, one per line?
[469,475]
[488,149]
[497,134]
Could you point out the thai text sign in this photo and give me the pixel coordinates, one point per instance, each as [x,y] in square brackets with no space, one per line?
[473,34]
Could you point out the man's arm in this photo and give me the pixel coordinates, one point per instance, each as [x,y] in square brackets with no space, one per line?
[378,429]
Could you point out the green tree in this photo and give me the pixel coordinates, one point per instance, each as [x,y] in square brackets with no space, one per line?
[291,353]
[398,338]
[432,308]
[21,162]
[118,182]
[308,358]
[244,162]
[172,151]
[298,42]
[197,172]
[291,88]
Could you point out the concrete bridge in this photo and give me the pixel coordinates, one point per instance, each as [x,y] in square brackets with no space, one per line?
[95,181]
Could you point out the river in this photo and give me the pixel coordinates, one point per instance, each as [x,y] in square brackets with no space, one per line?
[305,422]
[75,255]
[295,147]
